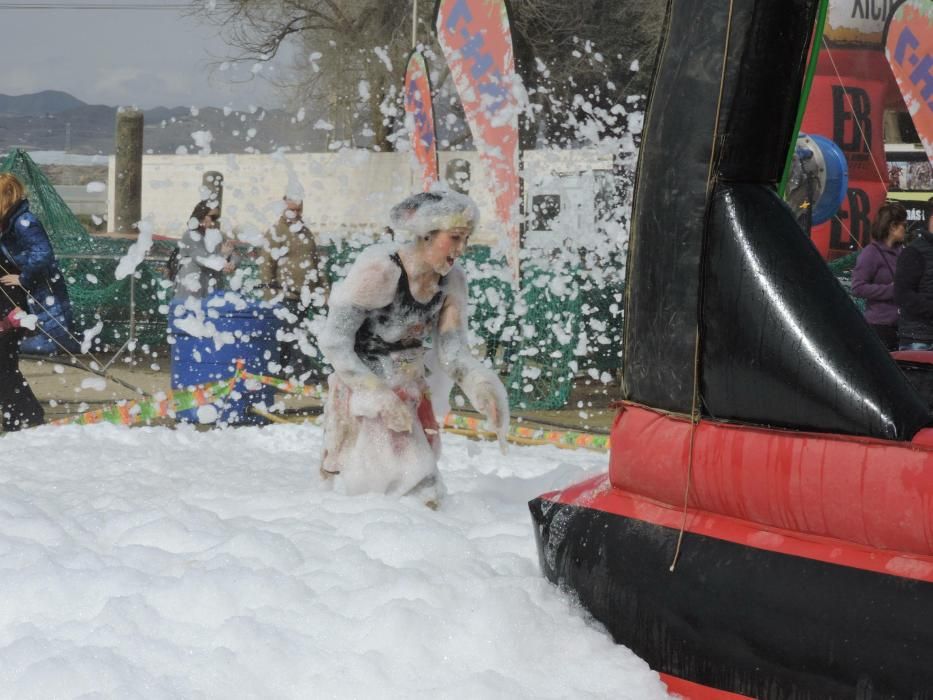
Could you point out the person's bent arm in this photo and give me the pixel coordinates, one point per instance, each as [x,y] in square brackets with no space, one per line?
[480,384]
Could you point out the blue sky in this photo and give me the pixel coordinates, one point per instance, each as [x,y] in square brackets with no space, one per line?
[114,57]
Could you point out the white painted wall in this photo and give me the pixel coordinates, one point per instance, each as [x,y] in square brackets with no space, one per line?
[80,201]
[344,192]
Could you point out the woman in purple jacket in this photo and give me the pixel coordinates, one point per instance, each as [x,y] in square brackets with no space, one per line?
[873,276]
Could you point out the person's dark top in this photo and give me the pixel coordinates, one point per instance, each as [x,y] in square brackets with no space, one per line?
[404,312]
[913,290]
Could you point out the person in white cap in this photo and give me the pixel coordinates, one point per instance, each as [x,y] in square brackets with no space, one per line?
[381,434]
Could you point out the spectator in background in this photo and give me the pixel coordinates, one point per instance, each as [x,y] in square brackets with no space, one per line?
[30,264]
[913,290]
[291,274]
[873,276]
[204,256]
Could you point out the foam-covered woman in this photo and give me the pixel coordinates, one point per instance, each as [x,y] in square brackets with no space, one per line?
[396,308]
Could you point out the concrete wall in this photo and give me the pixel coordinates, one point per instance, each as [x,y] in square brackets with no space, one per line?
[344,192]
[80,201]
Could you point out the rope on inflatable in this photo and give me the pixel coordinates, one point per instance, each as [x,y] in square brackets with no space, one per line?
[136,412]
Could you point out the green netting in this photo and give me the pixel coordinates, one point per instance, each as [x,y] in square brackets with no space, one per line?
[842,269]
[531,337]
[492,298]
[844,265]
[548,317]
[560,326]
[89,263]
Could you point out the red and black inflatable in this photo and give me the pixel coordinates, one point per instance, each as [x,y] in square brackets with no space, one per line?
[767,442]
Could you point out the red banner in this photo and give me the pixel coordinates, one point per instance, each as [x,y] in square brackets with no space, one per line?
[419,118]
[847,104]
[909,50]
[477,43]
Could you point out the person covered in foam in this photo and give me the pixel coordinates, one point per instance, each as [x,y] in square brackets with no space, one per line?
[381,432]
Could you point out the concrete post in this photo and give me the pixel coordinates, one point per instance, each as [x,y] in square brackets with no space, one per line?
[212,188]
[128,183]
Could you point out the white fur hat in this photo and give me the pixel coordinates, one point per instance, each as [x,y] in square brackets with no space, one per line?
[432,211]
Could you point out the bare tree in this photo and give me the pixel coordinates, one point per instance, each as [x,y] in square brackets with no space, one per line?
[578,59]
[574,57]
[348,55]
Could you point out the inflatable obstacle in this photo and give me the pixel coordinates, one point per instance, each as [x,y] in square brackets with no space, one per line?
[765,528]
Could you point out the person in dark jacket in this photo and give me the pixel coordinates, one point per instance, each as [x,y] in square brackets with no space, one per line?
[913,290]
[19,407]
[873,276]
[25,244]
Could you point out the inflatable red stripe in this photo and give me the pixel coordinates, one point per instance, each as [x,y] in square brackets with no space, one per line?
[867,491]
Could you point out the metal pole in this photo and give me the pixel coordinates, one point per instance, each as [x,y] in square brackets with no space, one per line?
[414,24]
[132,309]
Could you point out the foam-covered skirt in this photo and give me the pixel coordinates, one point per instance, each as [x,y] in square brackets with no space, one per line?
[363,455]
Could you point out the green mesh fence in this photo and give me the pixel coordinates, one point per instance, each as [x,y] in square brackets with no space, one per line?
[548,318]
[842,269]
[560,327]
[492,298]
[89,263]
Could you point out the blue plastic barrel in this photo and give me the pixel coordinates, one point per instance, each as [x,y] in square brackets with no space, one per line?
[244,329]
[834,177]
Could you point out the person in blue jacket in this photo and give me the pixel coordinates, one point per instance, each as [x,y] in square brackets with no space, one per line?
[24,242]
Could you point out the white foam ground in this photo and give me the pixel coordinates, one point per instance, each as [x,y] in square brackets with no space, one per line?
[157,563]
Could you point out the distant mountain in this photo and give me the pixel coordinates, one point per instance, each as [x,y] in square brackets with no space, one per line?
[45,102]
[30,122]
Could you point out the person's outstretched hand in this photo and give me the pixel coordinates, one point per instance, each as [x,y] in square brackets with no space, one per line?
[489,406]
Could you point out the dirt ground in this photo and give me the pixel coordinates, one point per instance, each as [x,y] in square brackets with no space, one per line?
[65,389]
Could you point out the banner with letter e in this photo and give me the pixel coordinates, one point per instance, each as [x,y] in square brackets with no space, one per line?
[908,46]
[477,43]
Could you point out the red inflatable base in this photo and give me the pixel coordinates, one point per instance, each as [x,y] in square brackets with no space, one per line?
[754,611]
[863,491]
[598,494]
